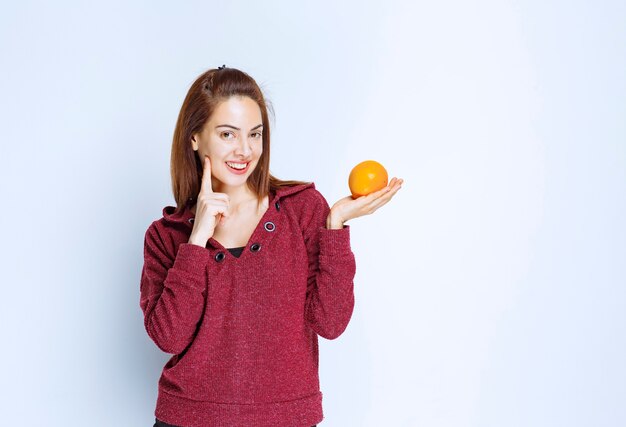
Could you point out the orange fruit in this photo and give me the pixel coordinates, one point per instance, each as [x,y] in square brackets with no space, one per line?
[367,177]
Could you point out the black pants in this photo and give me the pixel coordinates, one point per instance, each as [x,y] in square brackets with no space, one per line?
[162,424]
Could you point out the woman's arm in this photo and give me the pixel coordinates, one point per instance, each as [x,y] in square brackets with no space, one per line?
[172,292]
[330,288]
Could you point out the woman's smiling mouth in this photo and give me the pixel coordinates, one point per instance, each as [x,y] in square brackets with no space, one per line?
[238,168]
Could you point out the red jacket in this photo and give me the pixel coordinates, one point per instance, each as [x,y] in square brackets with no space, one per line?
[243,331]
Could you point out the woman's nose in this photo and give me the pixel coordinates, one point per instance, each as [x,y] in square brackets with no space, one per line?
[243,147]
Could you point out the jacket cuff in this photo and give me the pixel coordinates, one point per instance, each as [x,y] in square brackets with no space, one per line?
[335,241]
[191,259]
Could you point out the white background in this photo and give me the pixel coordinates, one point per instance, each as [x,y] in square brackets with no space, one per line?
[491,291]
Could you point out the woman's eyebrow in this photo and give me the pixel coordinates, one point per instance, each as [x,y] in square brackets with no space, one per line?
[231,126]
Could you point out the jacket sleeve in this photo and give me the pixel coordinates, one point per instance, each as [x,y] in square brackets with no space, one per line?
[172,292]
[330,287]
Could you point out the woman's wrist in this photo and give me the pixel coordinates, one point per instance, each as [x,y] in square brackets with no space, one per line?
[334,222]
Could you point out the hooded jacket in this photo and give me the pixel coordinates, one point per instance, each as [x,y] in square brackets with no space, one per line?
[243,331]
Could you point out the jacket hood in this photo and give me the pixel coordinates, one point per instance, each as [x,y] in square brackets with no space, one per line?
[186,215]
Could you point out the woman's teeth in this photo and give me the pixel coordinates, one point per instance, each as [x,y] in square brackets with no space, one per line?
[237,165]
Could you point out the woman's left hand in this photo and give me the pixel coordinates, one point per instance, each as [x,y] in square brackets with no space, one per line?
[349,208]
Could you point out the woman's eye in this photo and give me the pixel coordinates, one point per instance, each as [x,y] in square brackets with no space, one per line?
[227,134]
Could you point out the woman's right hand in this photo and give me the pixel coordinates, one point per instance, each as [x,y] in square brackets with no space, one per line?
[211,208]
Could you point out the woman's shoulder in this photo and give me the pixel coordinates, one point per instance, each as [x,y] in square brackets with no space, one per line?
[290,188]
[307,205]
[174,224]
[301,195]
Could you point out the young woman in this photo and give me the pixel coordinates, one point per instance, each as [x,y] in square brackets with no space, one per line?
[246,271]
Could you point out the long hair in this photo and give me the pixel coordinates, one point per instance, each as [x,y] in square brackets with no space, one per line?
[203,97]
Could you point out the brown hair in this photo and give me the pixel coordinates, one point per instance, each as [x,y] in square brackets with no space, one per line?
[204,95]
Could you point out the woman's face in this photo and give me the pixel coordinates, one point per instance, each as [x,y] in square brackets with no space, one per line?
[234,133]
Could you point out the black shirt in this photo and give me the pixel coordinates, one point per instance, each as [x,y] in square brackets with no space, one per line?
[236,251]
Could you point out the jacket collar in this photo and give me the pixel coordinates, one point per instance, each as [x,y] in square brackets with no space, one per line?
[184,215]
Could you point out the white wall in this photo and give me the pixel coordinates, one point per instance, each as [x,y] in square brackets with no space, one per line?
[489,292]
